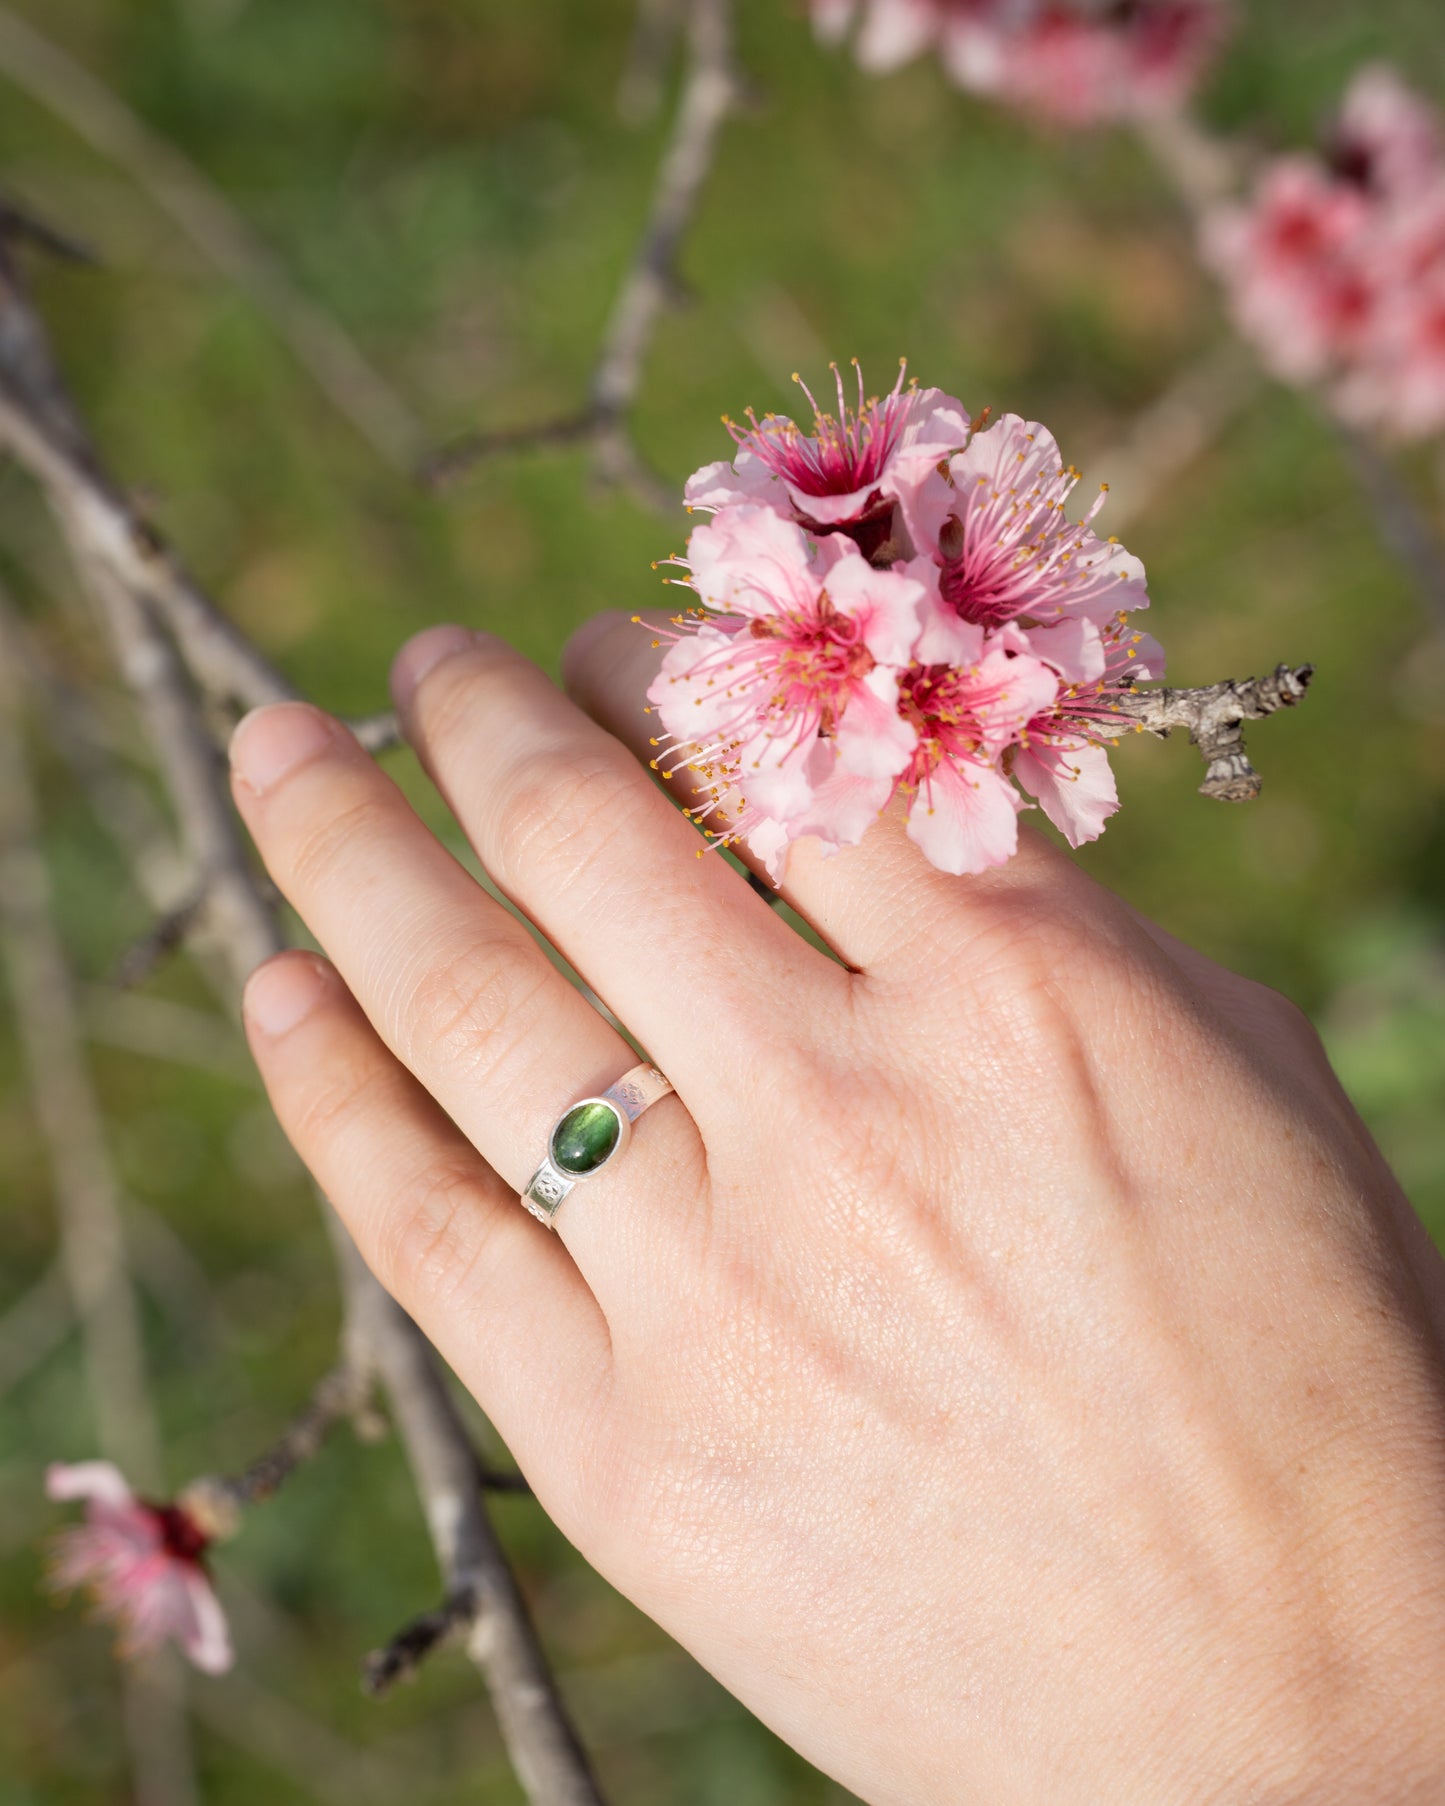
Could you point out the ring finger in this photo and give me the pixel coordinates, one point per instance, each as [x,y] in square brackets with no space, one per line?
[454,985]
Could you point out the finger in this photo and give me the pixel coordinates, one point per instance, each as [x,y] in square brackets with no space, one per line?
[455,986]
[880,905]
[581,839]
[504,1304]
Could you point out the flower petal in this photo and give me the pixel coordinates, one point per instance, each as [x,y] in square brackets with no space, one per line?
[206,1637]
[1074,785]
[873,740]
[101,1481]
[965,819]
[748,560]
[746,479]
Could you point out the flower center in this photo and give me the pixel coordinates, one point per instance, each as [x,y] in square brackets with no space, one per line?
[818,661]
[846,451]
[181,1536]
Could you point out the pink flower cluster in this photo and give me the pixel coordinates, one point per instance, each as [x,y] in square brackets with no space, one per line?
[143,1565]
[897,603]
[1077,62]
[1335,267]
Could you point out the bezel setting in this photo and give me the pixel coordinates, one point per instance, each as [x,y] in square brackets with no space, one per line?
[624,1135]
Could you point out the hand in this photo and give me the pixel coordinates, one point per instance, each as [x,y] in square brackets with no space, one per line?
[1006,1363]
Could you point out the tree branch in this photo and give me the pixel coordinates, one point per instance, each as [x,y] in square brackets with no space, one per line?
[1176,429]
[1403,528]
[91,1232]
[341,1393]
[655,30]
[711,90]
[140,591]
[319,344]
[1214,718]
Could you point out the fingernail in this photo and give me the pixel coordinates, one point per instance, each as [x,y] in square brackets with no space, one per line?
[420,654]
[280,993]
[274,740]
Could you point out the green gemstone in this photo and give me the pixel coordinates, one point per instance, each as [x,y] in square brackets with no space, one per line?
[584,1138]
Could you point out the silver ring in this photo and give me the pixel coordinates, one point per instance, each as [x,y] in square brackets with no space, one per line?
[590,1136]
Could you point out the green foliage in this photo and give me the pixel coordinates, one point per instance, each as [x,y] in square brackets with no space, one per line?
[451,180]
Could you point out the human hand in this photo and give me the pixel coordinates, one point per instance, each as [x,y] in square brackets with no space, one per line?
[1006,1363]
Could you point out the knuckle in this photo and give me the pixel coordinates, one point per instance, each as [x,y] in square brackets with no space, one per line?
[435,1231]
[318,847]
[566,802]
[1285,1017]
[470,1013]
[341,1091]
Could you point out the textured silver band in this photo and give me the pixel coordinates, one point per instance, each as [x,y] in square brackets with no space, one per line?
[633,1093]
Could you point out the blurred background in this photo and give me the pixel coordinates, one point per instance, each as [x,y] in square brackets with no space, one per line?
[455,183]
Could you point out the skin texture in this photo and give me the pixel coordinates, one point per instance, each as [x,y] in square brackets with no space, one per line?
[1006,1363]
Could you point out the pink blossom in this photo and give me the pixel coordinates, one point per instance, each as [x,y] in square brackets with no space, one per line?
[143,1565]
[966,713]
[1059,761]
[1395,382]
[1297,268]
[807,648]
[1335,271]
[1398,387]
[995,522]
[1386,139]
[1077,62]
[1082,66]
[980,637]
[847,473]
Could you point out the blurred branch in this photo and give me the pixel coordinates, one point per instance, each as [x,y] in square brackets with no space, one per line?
[1214,718]
[344,1392]
[44,71]
[92,1240]
[144,596]
[34,1327]
[376,733]
[1176,429]
[17,222]
[112,537]
[1202,169]
[144,956]
[416,1640]
[655,31]
[712,89]
[1403,528]
[536,1728]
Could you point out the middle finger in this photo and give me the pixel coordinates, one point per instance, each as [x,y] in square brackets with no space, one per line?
[578,835]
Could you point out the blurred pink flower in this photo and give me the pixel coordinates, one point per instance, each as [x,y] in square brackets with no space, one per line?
[1335,272]
[142,1564]
[1078,62]
[1386,138]
[1295,261]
